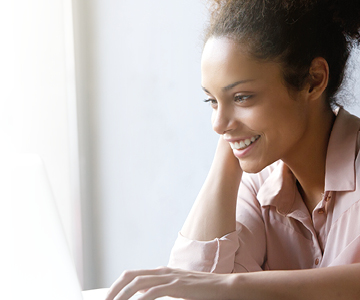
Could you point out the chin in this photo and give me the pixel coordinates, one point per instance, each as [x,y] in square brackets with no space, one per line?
[251,167]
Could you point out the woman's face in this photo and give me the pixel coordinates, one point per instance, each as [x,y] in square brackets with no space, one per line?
[252,108]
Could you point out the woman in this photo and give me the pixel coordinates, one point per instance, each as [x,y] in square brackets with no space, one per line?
[282,195]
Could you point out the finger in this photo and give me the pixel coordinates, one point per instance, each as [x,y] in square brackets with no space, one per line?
[142,283]
[127,276]
[187,285]
[162,291]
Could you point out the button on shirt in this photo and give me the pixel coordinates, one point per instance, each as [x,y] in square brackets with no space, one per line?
[275,230]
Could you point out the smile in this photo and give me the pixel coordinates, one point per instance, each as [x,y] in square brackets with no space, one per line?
[242,144]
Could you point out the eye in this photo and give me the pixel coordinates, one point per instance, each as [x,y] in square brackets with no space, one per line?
[212,102]
[242,98]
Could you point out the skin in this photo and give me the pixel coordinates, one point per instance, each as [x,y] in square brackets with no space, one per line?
[249,99]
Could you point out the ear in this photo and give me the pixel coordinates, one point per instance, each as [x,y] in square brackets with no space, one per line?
[318,77]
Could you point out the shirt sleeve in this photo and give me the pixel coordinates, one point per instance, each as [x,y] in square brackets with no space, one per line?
[216,256]
[243,250]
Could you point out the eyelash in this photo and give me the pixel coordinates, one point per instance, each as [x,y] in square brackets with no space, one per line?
[210,101]
[237,98]
[242,98]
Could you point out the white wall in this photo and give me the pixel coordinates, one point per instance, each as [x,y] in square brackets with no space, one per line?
[146,137]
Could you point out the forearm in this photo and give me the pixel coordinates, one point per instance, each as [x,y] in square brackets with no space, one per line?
[213,213]
[332,283]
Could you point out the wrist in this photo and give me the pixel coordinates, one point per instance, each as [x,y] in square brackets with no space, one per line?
[235,286]
[224,160]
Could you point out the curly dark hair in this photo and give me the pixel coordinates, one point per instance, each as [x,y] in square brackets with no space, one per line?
[293,33]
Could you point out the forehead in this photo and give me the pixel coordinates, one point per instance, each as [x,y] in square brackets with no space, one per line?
[222,48]
[225,61]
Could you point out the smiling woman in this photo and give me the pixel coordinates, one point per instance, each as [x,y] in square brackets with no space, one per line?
[282,193]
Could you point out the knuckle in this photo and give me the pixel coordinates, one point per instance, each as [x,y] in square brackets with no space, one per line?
[176,281]
[154,292]
[163,270]
[138,280]
[126,274]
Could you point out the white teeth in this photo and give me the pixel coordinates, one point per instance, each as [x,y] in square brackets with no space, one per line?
[243,144]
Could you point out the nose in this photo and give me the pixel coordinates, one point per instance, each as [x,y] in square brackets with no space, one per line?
[223,119]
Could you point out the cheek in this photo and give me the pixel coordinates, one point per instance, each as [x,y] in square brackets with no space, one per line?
[287,130]
[277,125]
[257,119]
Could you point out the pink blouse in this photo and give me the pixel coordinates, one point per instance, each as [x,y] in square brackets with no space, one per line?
[274,228]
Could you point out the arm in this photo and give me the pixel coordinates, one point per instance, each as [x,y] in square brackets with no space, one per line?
[213,213]
[210,240]
[331,283]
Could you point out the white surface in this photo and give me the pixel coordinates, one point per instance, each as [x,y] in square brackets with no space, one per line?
[36,96]
[35,258]
[96,294]
[99,294]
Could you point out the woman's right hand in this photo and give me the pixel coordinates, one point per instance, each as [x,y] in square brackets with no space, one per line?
[165,281]
[224,155]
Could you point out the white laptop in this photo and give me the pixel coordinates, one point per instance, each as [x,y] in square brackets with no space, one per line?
[35,261]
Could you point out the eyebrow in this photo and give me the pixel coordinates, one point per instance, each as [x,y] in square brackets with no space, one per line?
[230,86]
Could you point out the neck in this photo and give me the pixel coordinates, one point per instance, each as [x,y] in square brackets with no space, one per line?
[309,160]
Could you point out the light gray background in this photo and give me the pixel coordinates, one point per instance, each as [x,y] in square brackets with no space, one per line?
[146,138]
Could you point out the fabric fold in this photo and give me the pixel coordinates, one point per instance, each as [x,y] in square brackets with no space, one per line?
[216,256]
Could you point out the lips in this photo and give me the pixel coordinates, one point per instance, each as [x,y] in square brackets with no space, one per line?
[243,144]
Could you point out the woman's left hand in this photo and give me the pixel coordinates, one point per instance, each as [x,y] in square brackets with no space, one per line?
[165,281]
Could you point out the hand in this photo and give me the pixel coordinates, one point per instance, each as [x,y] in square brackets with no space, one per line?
[165,281]
[224,154]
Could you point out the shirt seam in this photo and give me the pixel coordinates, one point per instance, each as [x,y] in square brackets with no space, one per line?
[217,256]
[334,224]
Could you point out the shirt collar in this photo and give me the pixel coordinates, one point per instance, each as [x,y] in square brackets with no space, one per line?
[341,153]
[279,189]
